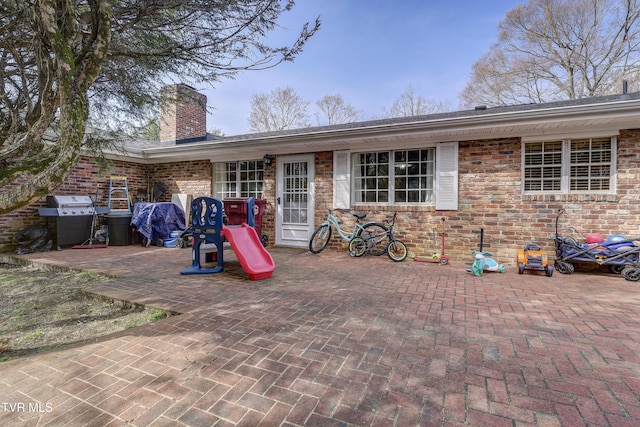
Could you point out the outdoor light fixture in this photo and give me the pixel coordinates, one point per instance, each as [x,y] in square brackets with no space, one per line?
[267,159]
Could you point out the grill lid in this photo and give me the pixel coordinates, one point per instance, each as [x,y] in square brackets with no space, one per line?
[69,201]
[71,205]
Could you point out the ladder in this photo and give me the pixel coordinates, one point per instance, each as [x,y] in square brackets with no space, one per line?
[119,185]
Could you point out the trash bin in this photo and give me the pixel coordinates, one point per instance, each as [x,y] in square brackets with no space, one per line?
[249,210]
[119,228]
[236,210]
[258,212]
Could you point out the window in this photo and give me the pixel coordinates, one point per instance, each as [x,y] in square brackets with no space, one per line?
[543,166]
[239,179]
[569,166]
[295,192]
[400,177]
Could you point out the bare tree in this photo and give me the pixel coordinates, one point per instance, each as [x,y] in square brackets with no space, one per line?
[336,111]
[409,104]
[63,63]
[280,109]
[558,49]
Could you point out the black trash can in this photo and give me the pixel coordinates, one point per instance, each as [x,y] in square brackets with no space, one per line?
[119,226]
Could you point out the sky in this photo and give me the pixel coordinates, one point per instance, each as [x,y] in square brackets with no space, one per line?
[369,52]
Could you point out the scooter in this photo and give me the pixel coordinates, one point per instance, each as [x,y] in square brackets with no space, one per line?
[435,257]
[482,260]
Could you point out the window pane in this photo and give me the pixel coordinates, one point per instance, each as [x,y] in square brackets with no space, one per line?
[412,173]
[371,176]
[590,168]
[246,183]
[414,176]
[543,166]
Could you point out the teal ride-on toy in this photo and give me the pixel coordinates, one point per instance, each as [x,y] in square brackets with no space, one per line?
[482,260]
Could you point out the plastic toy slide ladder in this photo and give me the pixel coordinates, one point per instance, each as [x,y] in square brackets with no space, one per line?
[253,257]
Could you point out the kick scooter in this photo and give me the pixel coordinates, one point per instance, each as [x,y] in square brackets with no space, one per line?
[482,260]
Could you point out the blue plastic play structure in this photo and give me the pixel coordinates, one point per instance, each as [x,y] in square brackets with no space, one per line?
[206,220]
[208,228]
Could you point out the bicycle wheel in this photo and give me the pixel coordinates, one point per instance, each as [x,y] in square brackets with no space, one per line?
[376,237]
[320,238]
[397,250]
[357,247]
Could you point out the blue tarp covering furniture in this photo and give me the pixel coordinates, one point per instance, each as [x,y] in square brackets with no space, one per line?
[156,221]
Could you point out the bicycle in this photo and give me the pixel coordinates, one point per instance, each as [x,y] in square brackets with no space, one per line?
[395,249]
[321,236]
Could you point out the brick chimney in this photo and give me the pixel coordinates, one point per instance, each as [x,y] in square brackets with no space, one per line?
[183,114]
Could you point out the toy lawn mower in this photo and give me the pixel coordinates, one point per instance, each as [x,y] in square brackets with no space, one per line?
[185,238]
[532,258]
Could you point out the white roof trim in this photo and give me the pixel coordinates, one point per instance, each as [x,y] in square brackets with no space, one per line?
[597,119]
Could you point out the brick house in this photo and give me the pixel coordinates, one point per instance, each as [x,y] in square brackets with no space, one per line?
[504,169]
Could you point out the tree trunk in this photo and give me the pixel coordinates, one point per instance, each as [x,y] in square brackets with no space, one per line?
[79,51]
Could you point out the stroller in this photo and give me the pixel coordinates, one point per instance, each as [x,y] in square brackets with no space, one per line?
[617,252]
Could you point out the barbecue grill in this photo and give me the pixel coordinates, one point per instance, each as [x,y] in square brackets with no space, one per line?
[73,216]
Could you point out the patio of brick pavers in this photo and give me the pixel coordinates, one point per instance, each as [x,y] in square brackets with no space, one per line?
[333,340]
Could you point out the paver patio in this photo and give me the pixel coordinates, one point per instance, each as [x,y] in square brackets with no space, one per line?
[331,340]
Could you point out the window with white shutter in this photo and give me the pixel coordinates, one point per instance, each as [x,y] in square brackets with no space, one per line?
[404,177]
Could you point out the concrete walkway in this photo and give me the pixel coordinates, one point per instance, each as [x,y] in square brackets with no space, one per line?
[332,340]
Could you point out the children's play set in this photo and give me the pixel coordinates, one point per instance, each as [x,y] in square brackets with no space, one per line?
[209,233]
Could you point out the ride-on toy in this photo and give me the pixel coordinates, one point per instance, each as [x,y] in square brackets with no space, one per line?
[482,260]
[436,257]
[532,258]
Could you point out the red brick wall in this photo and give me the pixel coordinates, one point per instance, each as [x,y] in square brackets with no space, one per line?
[192,177]
[180,177]
[269,194]
[84,180]
[491,198]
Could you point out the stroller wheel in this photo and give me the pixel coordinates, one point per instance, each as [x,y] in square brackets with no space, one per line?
[617,269]
[564,267]
[631,274]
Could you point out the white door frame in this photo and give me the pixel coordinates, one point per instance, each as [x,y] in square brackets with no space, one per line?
[295,235]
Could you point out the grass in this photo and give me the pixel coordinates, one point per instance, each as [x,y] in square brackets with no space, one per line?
[42,310]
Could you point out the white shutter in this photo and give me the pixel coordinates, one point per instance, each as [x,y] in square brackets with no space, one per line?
[341,179]
[447,176]
[219,174]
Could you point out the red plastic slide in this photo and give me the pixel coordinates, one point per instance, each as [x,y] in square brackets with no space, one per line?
[253,257]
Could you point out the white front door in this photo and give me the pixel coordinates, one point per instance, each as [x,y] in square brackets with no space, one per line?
[295,200]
